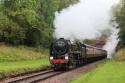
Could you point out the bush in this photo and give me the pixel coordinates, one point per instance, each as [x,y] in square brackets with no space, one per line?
[120,55]
[29,22]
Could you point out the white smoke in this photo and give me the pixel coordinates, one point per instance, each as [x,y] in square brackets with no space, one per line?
[112,43]
[85,20]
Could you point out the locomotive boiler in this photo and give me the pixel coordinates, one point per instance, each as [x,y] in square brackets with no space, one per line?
[64,54]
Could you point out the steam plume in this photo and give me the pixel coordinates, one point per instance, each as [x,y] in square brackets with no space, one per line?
[85,20]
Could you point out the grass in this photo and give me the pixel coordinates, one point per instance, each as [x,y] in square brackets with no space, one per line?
[15,68]
[120,56]
[112,71]
[10,53]
[109,72]
[17,60]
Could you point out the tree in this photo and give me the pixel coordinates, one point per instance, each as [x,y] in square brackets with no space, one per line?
[29,22]
[119,14]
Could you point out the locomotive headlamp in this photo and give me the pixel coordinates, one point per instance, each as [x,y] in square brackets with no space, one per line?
[51,58]
[66,57]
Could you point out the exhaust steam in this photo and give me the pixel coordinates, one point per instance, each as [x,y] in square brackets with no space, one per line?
[86,20]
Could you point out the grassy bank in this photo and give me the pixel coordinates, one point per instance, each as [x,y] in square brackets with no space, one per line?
[112,71]
[10,53]
[16,60]
[120,55]
[109,72]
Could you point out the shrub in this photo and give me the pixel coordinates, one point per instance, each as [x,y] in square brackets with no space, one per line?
[120,55]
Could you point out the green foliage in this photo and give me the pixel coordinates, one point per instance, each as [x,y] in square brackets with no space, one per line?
[10,31]
[120,55]
[10,53]
[108,72]
[29,59]
[20,67]
[119,13]
[29,22]
[21,59]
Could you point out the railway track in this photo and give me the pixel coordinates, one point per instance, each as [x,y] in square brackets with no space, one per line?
[48,74]
[34,78]
[73,74]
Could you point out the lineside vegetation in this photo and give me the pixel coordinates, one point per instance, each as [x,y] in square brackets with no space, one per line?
[109,72]
[112,71]
[21,59]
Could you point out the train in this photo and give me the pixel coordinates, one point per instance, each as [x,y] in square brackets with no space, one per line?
[65,55]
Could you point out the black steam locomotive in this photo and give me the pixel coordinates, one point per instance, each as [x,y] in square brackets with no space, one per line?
[64,54]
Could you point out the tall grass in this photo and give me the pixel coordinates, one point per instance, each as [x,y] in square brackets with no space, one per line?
[120,55]
[10,53]
[21,59]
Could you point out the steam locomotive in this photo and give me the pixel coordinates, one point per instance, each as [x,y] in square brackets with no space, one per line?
[64,54]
